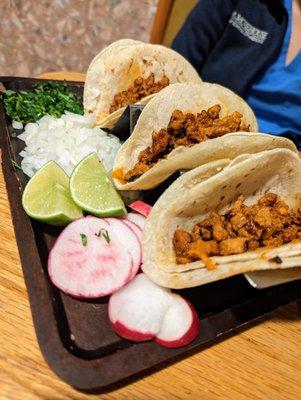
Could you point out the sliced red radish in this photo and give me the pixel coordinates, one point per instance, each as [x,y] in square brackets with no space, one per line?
[141,207]
[136,228]
[93,257]
[133,245]
[138,219]
[138,231]
[142,310]
[136,310]
[180,325]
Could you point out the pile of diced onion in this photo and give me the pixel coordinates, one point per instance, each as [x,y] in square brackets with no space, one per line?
[66,140]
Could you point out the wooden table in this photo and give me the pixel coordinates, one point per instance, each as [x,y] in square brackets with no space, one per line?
[263,362]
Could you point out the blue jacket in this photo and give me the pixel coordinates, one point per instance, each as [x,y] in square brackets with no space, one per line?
[232,42]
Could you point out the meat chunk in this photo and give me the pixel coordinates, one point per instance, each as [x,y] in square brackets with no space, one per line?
[141,87]
[236,207]
[152,153]
[268,199]
[181,241]
[219,232]
[233,246]
[184,128]
[177,121]
[201,233]
[290,233]
[273,241]
[269,223]
[139,169]
[263,217]
[238,221]
[253,244]
[213,112]
[160,143]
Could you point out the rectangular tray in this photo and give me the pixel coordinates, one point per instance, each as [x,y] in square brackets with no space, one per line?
[75,336]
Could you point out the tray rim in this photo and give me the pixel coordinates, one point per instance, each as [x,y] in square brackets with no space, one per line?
[68,369]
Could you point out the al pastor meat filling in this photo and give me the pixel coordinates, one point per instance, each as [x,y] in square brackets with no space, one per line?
[269,223]
[185,129]
[141,87]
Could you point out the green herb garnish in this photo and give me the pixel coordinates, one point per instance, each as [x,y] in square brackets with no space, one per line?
[51,98]
[15,165]
[104,233]
[84,239]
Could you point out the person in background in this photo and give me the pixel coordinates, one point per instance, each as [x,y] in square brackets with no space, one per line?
[252,47]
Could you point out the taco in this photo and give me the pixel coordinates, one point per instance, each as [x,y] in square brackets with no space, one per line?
[184,126]
[226,218]
[94,74]
[127,74]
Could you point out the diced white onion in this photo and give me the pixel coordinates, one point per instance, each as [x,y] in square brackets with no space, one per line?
[17,125]
[66,140]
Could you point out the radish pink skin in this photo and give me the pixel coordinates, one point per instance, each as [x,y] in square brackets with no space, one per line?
[130,334]
[88,296]
[141,207]
[189,336]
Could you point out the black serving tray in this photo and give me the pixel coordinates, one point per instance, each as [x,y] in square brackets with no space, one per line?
[75,336]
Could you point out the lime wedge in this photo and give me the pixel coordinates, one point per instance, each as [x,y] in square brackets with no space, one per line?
[46,197]
[93,191]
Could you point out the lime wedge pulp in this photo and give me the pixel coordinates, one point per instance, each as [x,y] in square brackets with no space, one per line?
[47,198]
[93,191]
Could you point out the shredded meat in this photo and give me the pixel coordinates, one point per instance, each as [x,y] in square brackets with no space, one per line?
[140,88]
[269,222]
[186,129]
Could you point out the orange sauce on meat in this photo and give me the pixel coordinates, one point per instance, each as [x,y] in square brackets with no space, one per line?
[119,175]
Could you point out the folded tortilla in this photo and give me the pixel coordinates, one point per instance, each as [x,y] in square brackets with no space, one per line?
[115,69]
[189,97]
[95,72]
[214,187]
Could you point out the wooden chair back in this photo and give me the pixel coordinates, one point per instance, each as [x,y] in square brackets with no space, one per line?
[169,18]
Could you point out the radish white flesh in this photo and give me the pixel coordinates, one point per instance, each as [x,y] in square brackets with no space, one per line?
[136,311]
[180,324]
[92,257]
[134,246]
[141,207]
[136,228]
[138,219]
[138,231]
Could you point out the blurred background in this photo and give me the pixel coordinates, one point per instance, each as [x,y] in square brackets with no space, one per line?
[51,35]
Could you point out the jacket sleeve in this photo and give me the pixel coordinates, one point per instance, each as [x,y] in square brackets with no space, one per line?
[202,29]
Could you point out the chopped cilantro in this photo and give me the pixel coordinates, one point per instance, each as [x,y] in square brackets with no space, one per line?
[51,98]
[84,239]
[104,233]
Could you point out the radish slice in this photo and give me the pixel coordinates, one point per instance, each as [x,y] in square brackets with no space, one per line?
[141,207]
[136,228]
[136,311]
[138,219]
[93,257]
[131,242]
[143,310]
[138,232]
[180,325]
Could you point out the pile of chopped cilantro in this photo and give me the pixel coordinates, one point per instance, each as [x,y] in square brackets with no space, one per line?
[51,98]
